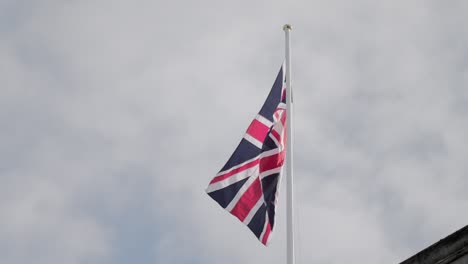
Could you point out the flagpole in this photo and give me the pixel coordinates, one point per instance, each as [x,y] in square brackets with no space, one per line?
[289,153]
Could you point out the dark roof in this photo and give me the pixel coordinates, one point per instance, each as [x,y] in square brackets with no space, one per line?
[445,251]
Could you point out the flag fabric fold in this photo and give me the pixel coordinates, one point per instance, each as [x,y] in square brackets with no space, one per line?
[247,186]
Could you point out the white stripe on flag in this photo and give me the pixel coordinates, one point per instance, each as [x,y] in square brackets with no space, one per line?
[241,174]
[241,191]
[264,121]
[270,172]
[276,142]
[254,141]
[264,227]
[268,153]
[281,106]
[232,179]
[254,210]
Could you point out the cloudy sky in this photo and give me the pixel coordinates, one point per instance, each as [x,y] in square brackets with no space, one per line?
[114,116]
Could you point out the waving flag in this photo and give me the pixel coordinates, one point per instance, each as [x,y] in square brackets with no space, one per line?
[247,186]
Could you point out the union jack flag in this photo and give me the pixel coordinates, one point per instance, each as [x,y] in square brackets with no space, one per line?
[247,186]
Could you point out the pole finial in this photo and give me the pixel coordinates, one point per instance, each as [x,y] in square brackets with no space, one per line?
[287,27]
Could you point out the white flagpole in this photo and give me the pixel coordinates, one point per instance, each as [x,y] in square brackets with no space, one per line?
[289,154]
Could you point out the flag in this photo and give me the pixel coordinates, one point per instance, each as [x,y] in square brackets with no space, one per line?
[247,186]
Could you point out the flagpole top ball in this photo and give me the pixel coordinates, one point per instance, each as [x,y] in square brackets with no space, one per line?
[287,27]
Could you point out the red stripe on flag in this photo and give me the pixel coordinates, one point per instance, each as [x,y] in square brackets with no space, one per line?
[235,171]
[258,130]
[276,115]
[267,233]
[276,135]
[248,200]
[272,162]
[283,118]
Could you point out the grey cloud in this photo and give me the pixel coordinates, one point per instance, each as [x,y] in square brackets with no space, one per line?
[115,115]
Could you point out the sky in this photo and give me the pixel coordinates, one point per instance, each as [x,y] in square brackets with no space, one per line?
[115,115]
